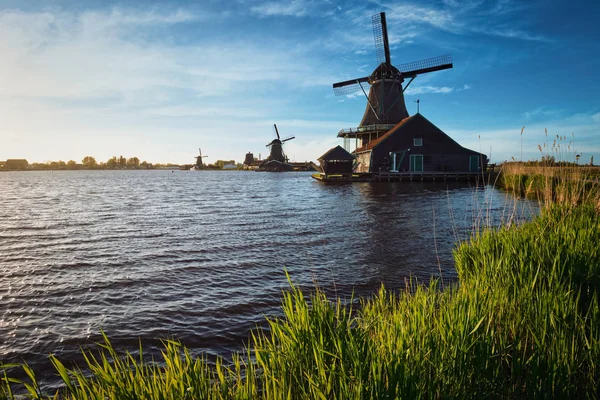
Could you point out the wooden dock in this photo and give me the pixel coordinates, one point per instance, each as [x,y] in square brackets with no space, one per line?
[406,177]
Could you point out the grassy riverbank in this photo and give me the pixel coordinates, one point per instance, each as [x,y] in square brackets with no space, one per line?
[551,184]
[523,322]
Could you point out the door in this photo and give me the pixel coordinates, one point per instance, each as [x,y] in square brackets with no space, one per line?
[416,163]
[473,163]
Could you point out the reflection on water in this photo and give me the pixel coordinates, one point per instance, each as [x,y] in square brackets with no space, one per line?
[200,256]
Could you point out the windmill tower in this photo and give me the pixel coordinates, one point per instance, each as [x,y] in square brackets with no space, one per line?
[199,157]
[276,146]
[385,101]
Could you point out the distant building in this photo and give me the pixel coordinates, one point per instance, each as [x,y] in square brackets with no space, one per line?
[14,164]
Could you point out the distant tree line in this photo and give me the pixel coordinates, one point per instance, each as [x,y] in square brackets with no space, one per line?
[89,162]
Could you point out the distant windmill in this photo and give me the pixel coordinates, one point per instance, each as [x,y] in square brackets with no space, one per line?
[199,157]
[277,147]
[385,101]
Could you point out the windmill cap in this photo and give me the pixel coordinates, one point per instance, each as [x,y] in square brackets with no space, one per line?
[386,71]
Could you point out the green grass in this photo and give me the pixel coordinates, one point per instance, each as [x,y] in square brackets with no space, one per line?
[522,322]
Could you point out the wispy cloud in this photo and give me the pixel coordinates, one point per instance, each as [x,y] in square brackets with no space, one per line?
[294,8]
[428,89]
[542,112]
[408,13]
[463,17]
[95,54]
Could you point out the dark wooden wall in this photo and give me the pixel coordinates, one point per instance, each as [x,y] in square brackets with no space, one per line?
[440,152]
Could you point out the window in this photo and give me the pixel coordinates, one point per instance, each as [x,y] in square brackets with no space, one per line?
[418,141]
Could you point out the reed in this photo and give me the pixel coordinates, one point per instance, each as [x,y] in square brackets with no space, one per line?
[553,179]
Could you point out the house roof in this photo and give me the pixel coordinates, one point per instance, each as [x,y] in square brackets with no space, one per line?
[336,153]
[399,126]
[373,143]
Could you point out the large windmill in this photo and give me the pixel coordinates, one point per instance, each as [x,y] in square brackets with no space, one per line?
[385,101]
[276,146]
[199,164]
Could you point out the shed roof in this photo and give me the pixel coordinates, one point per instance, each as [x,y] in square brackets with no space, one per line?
[336,153]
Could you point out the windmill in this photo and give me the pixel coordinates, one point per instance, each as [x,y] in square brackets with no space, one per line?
[199,157]
[277,147]
[385,101]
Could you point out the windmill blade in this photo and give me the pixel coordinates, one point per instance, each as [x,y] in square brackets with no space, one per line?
[290,138]
[200,151]
[276,131]
[382,45]
[428,65]
[351,86]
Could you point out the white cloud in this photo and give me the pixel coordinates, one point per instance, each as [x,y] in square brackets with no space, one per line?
[428,89]
[408,13]
[95,55]
[596,117]
[293,8]
[541,112]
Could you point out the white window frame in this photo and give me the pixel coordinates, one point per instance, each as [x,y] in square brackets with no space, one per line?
[418,141]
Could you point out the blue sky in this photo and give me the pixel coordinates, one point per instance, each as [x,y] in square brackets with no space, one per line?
[157,80]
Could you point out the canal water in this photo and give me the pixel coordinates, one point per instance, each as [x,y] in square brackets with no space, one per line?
[201,256]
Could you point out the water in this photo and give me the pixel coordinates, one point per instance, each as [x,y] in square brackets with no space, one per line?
[201,256]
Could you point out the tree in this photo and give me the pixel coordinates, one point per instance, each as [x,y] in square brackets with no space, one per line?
[122,161]
[133,162]
[112,163]
[89,162]
[71,164]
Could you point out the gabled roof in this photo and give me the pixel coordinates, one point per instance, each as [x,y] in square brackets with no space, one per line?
[399,126]
[336,153]
[373,143]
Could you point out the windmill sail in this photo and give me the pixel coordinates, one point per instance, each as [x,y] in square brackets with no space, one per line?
[382,46]
[428,65]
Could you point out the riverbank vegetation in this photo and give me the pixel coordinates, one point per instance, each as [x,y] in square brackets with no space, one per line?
[523,321]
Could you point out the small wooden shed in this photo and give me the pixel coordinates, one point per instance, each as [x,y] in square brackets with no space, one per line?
[337,161]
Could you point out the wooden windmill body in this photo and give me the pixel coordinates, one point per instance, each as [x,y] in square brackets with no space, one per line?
[199,164]
[277,160]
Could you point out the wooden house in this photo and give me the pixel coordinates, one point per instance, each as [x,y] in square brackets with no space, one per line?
[416,145]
